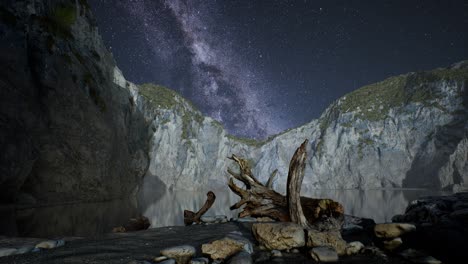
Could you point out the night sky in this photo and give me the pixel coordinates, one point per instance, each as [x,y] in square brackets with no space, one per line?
[261,67]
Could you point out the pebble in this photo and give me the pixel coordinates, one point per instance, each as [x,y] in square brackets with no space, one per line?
[418,257]
[48,244]
[246,220]
[200,261]
[160,258]
[169,261]
[354,247]
[276,253]
[182,254]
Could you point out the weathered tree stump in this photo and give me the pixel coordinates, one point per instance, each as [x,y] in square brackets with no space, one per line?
[191,217]
[261,200]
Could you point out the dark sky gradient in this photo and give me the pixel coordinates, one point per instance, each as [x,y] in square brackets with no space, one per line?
[261,67]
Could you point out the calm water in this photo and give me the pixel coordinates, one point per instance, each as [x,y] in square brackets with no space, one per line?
[380,205]
[165,208]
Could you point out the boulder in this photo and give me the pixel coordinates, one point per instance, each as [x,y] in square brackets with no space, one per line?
[279,236]
[181,254]
[324,254]
[226,247]
[393,230]
[332,239]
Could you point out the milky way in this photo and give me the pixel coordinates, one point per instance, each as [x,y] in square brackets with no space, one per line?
[263,66]
[203,66]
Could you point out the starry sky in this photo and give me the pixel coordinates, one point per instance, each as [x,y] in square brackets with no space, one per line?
[263,66]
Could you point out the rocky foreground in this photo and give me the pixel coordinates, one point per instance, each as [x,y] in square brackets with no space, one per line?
[432,230]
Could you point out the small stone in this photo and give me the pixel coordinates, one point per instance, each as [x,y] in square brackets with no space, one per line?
[426,260]
[324,254]
[265,219]
[280,236]
[160,258]
[242,257]
[168,261]
[393,244]
[246,220]
[354,248]
[181,254]
[295,251]
[48,244]
[332,239]
[393,230]
[276,253]
[7,251]
[226,247]
[214,219]
[200,261]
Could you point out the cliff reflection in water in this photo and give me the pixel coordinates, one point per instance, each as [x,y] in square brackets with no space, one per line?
[380,204]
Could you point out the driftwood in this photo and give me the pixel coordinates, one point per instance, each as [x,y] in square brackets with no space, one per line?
[261,200]
[134,224]
[191,217]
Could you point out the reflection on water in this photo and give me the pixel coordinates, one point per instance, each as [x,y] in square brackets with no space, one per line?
[81,219]
[165,208]
[380,205]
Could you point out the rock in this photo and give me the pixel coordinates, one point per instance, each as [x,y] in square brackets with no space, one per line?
[200,261]
[241,257]
[169,261]
[7,251]
[392,244]
[280,236]
[226,247]
[160,258]
[48,244]
[418,257]
[332,239]
[246,220]
[276,253]
[354,248]
[324,254]
[393,230]
[181,254]
[214,219]
[295,251]
[264,219]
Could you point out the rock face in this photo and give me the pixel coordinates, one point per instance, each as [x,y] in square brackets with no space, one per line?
[73,128]
[68,131]
[406,131]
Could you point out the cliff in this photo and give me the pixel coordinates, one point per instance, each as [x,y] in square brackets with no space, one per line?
[73,128]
